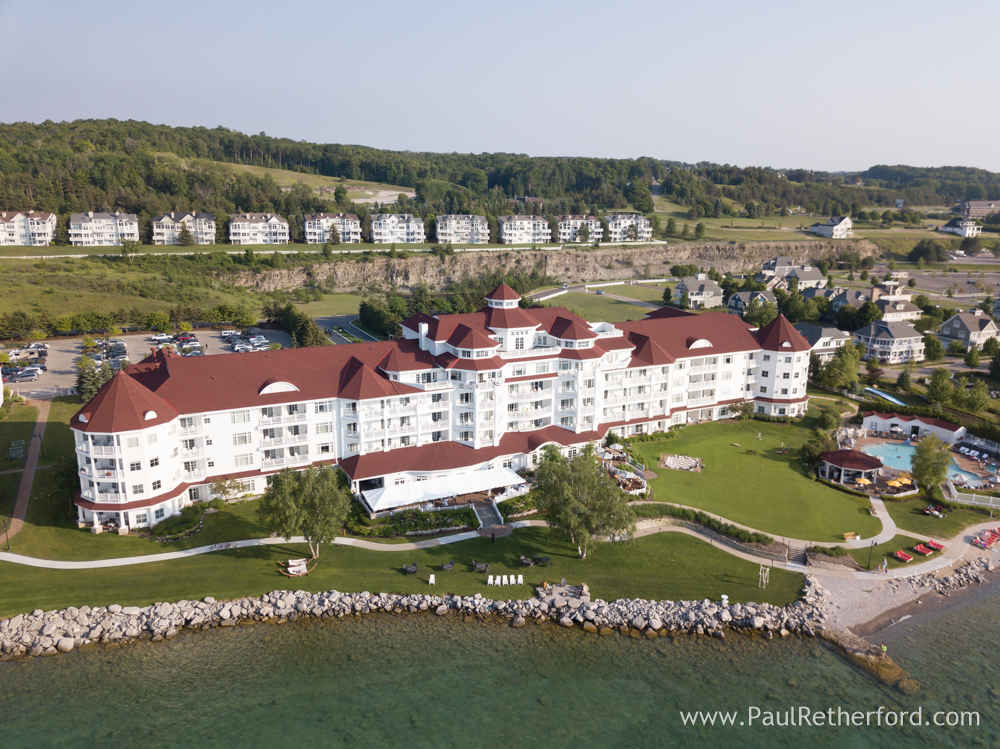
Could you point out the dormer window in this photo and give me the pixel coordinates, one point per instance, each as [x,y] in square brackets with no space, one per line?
[466,354]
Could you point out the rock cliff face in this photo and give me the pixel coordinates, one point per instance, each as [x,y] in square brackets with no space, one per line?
[566,266]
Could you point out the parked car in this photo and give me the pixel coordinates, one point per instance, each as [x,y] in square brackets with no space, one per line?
[600,292]
[229,333]
[190,344]
[160,337]
[25,377]
[40,366]
[37,345]
[195,353]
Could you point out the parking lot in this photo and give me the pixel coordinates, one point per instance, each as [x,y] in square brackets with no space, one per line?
[64,353]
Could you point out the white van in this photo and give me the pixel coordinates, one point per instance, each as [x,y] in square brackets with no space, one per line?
[228,333]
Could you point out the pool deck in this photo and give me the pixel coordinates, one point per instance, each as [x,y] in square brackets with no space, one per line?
[962,461]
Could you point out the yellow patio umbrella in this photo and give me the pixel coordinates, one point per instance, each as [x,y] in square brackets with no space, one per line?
[905,481]
[894,483]
[864,481]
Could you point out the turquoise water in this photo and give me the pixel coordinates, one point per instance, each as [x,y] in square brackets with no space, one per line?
[421,681]
[899,456]
[885,396]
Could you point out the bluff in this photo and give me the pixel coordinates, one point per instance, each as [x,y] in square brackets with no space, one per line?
[565,265]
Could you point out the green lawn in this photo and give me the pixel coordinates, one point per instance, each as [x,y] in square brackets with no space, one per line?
[767,491]
[661,566]
[18,425]
[886,550]
[332,304]
[58,440]
[643,292]
[9,483]
[600,308]
[909,516]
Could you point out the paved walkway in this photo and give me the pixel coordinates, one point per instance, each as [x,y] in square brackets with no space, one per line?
[28,476]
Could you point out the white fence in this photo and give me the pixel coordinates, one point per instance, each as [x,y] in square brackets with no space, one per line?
[976,500]
[549,296]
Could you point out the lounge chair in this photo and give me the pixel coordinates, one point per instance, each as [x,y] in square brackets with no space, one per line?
[520,579]
[921,549]
[299,570]
[902,556]
[490,581]
[934,545]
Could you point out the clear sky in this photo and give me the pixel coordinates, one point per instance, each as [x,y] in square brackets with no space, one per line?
[830,86]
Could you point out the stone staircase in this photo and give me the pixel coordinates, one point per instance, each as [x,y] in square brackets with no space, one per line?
[488,515]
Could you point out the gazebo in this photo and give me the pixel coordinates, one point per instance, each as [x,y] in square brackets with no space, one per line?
[843,466]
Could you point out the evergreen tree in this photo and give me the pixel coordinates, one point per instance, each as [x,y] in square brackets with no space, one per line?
[185,238]
[671,227]
[334,234]
[905,380]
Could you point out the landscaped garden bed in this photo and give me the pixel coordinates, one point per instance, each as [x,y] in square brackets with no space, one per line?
[410,522]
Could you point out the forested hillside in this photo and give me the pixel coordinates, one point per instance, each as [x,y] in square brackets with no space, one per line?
[145,169]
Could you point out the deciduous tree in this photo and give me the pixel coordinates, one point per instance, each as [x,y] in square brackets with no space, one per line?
[310,503]
[931,461]
[939,389]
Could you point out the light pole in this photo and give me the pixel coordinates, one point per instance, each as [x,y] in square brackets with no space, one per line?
[41,444]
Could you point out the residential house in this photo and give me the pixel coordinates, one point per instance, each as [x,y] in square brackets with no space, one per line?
[779,266]
[167,227]
[891,342]
[702,291]
[836,227]
[92,229]
[824,340]
[569,228]
[807,277]
[963,227]
[318,227]
[401,228]
[457,404]
[824,292]
[619,223]
[894,310]
[854,297]
[28,228]
[462,229]
[977,208]
[740,302]
[524,229]
[258,228]
[972,328]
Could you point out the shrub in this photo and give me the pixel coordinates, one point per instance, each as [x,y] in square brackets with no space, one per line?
[694,516]
[830,551]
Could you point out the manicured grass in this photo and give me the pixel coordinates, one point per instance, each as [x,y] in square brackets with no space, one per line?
[767,491]
[661,566]
[19,425]
[595,308]
[909,516]
[643,292]
[58,440]
[9,483]
[886,551]
[332,304]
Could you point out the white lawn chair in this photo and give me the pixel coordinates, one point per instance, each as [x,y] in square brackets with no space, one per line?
[490,581]
[505,580]
[520,579]
[431,580]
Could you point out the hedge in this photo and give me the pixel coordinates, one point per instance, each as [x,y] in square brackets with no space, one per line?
[694,516]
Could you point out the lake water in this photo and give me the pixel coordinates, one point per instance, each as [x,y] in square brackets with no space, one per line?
[421,681]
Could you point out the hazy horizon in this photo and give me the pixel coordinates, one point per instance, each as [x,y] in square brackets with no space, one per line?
[785,87]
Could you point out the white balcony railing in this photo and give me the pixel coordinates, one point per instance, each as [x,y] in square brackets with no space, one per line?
[98,449]
[191,431]
[537,351]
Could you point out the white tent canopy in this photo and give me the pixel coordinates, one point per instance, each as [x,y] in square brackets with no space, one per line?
[415,492]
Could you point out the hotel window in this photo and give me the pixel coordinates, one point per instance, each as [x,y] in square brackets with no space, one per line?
[137,489]
[566,404]
[518,344]
[784,376]
[352,447]
[781,412]
[187,422]
[140,518]
[765,373]
[245,460]
[188,444]
[157,485]
[154,462]
[767,357]
[763,389]
[135,466]
[328,427]
[788,360]
[796,375]
[465,436]
[565,365]
[437,436]
[159,514]
[190,466]
[241,439]
[150,439]
[323,408]
[784,391]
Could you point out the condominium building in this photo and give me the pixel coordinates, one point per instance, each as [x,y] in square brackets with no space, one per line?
[167,227]
[258,228]
[521,229]
[891,342]
[401,228]
[102,229]
[31,228]
[462,229]
[569,228]
[459,398]
[318,225]
[619,223]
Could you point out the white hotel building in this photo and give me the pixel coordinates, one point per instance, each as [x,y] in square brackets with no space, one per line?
[317,227]
[522,229]
[619,223]
[457,394]
[31,228]
[167,227]
[402,228]
[456,228]
[102,229]
[569,228]
[258,228]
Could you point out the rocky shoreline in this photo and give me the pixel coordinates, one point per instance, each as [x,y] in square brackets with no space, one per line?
[51,632]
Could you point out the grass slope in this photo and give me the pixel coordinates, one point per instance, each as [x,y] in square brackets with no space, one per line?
[595,308]
[767,491]
[662,566]
[910,517]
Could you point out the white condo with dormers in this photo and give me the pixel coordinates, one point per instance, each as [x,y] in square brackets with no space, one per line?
[31,228]
[456,394]
[258,228]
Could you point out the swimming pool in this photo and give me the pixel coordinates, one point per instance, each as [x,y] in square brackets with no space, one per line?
[900,457]
[886,397]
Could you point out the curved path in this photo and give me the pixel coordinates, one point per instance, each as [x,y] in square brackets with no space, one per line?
[953,553]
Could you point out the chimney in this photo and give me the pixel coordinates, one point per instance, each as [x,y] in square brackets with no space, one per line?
[876,293]
[90,214]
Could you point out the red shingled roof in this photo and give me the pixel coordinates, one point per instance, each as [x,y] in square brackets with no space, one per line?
[853,460]
[123,405]
[503,292]
[504,318]
[726,334]
[466,337]
[930,421]
[571,330]
[779,335]
[666,312]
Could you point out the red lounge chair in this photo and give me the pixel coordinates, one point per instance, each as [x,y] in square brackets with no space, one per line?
[921,549]
[934,545]
[902,556]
